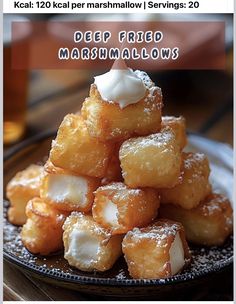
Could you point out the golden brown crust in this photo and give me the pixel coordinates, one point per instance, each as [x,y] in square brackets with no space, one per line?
[107,121]
[209,224]
[178,126]
[51,169]
[113,172]
[22,187]
[109,246]
[135,207]
[147,249]
[75,150]
[151,161]
[194,186]
[68,205]
[42,232]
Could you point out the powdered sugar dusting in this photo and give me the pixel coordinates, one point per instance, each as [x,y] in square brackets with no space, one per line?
[145,78]
[120,189]
[30,177]
[204,260]
[161,140]
[121,275]
[158,232]
[193,158]
[171,118]
[218,204]
[86,221]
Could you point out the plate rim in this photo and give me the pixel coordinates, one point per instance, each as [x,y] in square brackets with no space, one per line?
[87,280]
[70,278]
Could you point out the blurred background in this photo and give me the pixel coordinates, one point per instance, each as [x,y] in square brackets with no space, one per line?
[204,97]
[35,101]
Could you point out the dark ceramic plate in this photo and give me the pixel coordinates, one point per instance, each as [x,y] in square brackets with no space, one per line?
[117,282]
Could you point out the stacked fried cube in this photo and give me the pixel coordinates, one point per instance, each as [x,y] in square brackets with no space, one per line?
[117,181]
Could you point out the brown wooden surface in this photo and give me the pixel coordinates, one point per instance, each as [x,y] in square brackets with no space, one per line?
[204,98]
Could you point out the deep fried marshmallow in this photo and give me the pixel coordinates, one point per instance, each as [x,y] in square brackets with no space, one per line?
[151,161]
[24,186]
[194,186]
[120,208]
[210,223]
[157,251]
[67,191]
[42,232]
[88,246]
[107,121]
[75,150]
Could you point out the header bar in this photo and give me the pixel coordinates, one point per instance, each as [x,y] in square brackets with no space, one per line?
[117,6]
[95,45]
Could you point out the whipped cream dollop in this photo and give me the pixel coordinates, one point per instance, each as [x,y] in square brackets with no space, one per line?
[122,86]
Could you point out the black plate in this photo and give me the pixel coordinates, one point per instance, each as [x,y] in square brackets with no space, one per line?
[116,282]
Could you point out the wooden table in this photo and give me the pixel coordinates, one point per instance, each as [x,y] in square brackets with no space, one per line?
[203,97]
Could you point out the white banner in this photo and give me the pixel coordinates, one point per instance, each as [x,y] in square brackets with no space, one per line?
[117,6]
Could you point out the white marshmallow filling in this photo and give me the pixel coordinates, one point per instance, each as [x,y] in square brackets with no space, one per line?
[83,247]
[176,252]
[110,213]
[69,188]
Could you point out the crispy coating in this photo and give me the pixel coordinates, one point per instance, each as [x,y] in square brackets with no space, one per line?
[210,223]
[178,126]
[75,150]
[67,191]
[88,246]
[42,232]
[120,209]
[148,250]
[194,186]
[151,161]
[22,187]
[107,121]
[113,173]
